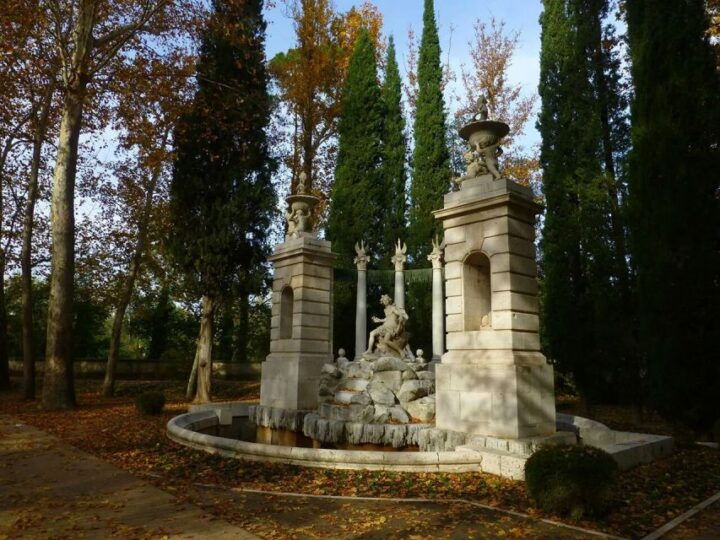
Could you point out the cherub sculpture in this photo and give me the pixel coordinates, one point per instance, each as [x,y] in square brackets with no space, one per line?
[390,337]
[488,158]
[483,109]
[292,223]
[298,221]
[301,188]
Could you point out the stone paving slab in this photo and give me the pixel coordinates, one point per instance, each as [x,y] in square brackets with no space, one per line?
[49,489]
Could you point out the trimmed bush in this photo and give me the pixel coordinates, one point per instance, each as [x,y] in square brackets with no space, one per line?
[151,402]
[571,480]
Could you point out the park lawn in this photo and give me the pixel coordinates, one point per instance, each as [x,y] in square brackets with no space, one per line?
[647,496]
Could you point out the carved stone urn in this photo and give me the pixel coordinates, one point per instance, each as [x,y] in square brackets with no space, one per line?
[483,137]
[305,203]
[301,206]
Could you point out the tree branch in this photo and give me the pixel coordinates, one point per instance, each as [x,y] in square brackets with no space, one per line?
[122,35]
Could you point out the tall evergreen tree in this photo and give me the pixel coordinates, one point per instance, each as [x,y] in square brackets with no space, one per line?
[357,203]
[394,155]
[431,157]
[222,198]
[582,328]
[674,205]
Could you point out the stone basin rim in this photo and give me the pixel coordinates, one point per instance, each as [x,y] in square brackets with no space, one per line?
[302,198]
[181,430]
[500,129]
[628,449]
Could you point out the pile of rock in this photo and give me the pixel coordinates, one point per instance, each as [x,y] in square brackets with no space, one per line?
[373,399]
[396,389]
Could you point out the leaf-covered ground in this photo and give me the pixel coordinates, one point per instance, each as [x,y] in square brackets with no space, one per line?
[647,497]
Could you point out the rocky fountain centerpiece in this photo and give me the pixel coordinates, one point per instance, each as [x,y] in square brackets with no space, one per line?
[385,398]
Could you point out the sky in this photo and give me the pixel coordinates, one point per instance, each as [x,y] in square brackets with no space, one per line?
[455,20]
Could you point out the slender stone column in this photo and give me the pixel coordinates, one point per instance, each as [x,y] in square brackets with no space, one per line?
[399,261]
[361,303]
[438,300]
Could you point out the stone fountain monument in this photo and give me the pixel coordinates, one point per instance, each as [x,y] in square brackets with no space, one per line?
[486,406]
[301,324]
[493,380]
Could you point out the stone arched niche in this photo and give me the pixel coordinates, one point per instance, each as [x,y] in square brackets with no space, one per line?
[477,298]
[287,299]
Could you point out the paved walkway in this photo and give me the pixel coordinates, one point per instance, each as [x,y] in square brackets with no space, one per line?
[49,489]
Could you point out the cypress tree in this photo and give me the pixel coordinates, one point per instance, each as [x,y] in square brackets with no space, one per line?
[581,323]
[221,197]
[431,158]
[358,198]
[674,206]
[394,154]
[357,204]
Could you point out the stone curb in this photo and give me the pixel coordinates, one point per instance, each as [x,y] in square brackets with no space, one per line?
[514,513]
[670,525]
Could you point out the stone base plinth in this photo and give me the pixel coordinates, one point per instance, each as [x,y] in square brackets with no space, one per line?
[496,400]
[291,381]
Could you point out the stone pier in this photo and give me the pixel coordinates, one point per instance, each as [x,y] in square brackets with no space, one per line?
[301,327]
[493,380]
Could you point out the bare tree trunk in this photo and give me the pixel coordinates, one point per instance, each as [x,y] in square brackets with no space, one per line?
[204,350]
[26,254]
[243,327]
[192,381]
[4,360]
[58,386]
[58,382]
[120,309]
[126,293]
[128,286]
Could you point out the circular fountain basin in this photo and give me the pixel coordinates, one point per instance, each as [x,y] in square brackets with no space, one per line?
[219,428]
[192,429]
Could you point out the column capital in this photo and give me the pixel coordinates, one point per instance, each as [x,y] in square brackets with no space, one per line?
[399,258]
[362,259]
[437,255]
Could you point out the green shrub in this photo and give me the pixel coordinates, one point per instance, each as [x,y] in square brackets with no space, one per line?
[571,480]
[151,402]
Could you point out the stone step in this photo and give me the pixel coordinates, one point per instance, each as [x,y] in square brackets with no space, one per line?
[522,447]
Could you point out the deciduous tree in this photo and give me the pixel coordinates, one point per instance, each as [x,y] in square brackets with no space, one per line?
[152,94]
[88,36]
[491,53]
[310,79]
